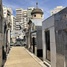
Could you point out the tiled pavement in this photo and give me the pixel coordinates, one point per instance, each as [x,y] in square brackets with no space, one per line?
[21,57]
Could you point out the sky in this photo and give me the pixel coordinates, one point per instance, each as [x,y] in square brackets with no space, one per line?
[46,5]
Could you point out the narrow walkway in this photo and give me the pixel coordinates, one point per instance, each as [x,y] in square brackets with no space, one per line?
[21,57]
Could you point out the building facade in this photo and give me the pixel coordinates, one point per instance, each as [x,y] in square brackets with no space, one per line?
[1,33]
[54,31]
[19,18]
[22,18]
[13,26]
[34,34]
[7,12]
[29,10]
[25,19]
[19,21]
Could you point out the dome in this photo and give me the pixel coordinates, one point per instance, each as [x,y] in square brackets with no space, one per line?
[36,10]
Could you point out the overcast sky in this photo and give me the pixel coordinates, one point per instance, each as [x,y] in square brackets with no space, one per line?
[46,5]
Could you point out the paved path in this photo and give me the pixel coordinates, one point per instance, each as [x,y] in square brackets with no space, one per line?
[21,57]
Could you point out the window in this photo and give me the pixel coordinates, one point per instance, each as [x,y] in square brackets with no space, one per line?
[4,12]
[33,43]
[47,41]
[1,23]
[0,7]
[41,15]
[34,15]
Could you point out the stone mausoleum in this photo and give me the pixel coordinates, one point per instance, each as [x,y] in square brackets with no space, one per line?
[54,31]
[35,31]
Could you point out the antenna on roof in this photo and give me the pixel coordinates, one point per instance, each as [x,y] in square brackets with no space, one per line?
[36,4]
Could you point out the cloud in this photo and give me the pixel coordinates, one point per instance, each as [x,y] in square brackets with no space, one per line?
[10,6]
[46,5]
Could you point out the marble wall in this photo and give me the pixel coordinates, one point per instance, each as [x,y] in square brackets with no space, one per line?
[57,25]
[1,35]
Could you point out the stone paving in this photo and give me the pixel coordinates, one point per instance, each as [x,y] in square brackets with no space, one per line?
[21,57]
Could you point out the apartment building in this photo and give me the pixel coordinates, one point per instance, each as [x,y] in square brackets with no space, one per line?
[14,22]
[19,18]
[22,18]
[29,10]
[13,19]
[25,19]
[13,26]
